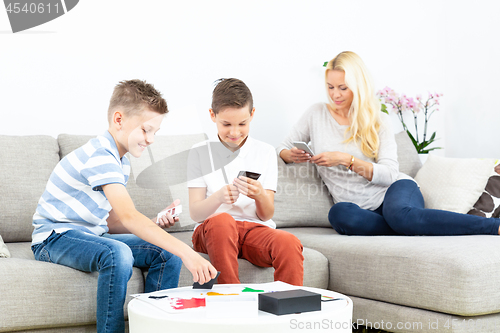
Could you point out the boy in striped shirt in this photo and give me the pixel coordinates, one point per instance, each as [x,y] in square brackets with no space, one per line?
[86,219]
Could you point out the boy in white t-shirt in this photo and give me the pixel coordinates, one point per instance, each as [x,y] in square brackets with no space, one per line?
[235,211]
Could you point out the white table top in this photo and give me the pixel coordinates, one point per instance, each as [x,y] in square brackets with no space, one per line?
[335,316]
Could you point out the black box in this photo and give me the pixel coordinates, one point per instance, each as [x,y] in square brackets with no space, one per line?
[290,301]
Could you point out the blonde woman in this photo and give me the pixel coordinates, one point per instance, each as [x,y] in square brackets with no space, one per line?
[356,157]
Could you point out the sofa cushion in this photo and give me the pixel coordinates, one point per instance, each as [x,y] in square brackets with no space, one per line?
[315,268]
[397,318]
[453,184]
[409,161]
[25,166]
[157,177]
[301,199]
[48,295]
[450,274]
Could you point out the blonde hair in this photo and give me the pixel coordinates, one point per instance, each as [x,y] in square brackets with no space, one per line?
[364,114]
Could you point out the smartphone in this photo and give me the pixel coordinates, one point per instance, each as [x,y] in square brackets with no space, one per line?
[303,146]
[249,174]
[174,211]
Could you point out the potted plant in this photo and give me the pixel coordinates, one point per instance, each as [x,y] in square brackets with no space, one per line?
[401,103]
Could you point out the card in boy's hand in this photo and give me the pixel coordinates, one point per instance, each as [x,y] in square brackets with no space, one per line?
[249,174]
[174,211]
[206,285]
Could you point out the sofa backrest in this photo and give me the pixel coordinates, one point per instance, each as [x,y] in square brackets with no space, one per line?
[27,161]
[301,199]
[25,166]
[157,177]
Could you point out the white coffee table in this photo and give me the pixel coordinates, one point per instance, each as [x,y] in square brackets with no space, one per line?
[335,316]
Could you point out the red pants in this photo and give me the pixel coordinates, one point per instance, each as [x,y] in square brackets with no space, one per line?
[225,240]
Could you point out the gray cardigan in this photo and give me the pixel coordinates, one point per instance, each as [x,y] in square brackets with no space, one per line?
[321,130]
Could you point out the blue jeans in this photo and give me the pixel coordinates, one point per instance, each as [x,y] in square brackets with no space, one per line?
[113,257]
[403,213]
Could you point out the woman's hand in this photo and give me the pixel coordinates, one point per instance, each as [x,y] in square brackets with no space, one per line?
[299,156]
[328,159]
[294,155]
[249,187]
[334,158]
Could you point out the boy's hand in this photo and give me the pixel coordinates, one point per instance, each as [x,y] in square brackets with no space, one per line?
[167,221]
[228,194]
[249,187]
[202,269]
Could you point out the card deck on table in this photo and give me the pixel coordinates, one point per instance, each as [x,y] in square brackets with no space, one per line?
[206,285]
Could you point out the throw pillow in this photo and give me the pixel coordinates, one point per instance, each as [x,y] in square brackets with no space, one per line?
[488,204]
[409,161]
[301,199]
[160,176]
[4,251]
[453,184]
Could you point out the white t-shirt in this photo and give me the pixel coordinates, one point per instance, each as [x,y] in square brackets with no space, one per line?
[211,165]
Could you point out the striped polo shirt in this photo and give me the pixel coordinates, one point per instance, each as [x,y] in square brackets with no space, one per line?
[73,198]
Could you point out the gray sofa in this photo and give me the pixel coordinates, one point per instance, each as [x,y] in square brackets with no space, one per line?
[400,284]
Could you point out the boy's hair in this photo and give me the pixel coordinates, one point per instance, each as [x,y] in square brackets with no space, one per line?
[231,93]
[134,96]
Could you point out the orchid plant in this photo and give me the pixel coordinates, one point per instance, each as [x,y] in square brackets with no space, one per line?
[401,103]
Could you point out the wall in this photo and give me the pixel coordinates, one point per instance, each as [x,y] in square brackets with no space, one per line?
[58,77]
